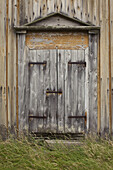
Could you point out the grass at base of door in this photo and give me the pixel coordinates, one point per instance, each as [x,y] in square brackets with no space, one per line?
[36,154]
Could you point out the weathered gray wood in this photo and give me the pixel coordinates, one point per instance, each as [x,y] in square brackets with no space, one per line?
[57,21]
[53,97]
[67,75]
[92,83]
[46,86]
[75,82]
[61,86]
[37,91]
[58,76]
[57,28]
[75,92]
[67,104]
[43,78]
[75,89]
[81,90]
[23,84]
[87,87]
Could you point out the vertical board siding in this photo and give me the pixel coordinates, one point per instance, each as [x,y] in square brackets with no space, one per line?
[104,53]
[111,20]
[94,11]
[11,70]
[2,63]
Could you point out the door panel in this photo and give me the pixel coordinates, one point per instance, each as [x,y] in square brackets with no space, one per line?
[43,106]
[74,91]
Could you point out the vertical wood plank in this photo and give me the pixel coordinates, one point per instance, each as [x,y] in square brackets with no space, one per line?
[67,104]
[110,90]
[7,29]
[87,87]
[46,80]
[61,87]
[111,20]
[3,63]
[104,63]
[93,83]
[81,91]
[85,10]
[35,9]
[79,9]
[53,97]
[23,85]
[75,89]
[50,6]
[75,8]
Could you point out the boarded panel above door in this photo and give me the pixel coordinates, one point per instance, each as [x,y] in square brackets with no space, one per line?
[51,40]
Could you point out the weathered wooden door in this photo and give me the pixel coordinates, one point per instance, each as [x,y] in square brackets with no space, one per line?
[57,91]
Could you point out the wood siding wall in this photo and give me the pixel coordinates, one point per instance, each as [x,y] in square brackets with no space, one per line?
[23,11]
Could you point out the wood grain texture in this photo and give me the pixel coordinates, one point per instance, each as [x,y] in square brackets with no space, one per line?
[42,79]
[2,64]
[93,82]
[23,84]
[61,86]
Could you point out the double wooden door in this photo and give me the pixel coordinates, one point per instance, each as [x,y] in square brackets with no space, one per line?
[57,91]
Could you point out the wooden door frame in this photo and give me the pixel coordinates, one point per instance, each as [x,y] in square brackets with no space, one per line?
[93,33]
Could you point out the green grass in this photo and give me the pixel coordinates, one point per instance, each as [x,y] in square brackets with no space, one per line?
[34,154]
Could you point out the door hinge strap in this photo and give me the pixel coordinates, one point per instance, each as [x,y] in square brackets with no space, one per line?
[83,64]
[38,117]
[57,92]
[76,117]
[37,63]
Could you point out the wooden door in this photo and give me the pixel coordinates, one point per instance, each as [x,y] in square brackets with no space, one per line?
[43,81]
[57,91]
[71,79]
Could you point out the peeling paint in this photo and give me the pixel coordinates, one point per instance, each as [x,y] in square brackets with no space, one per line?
[50,40]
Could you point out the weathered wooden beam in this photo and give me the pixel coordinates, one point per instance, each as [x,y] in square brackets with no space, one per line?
[110,93]
[7,16]
[18,12]
[17,121]
[99,88]
[57,28]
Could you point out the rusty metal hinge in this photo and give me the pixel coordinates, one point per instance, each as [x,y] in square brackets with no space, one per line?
[83,64]
[38,63]
[38,117]
[56,92]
